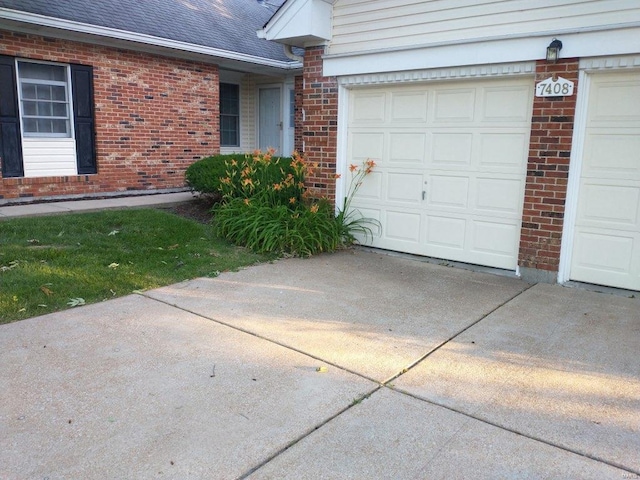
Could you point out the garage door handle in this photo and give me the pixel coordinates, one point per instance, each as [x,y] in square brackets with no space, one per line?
[423,194]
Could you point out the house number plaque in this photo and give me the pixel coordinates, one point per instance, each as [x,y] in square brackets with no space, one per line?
[558,87]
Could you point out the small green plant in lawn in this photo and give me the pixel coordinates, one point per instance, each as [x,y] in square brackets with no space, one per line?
[269,210]
[58,262]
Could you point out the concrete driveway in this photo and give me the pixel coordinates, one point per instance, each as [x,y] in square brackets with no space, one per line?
[354,365]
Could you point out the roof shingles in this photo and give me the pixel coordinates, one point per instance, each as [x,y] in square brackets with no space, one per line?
[222,24]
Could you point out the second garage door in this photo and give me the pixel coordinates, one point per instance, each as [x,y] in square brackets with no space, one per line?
[451,165]
[606,247]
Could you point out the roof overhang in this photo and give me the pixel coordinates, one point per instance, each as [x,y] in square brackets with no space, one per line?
[300,23]
[32,23]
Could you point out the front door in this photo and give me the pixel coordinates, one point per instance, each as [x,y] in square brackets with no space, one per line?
[270,119]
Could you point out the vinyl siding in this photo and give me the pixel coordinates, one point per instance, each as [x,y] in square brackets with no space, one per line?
[369,25]
[49,157]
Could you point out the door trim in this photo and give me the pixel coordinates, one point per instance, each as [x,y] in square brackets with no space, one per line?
[573,182]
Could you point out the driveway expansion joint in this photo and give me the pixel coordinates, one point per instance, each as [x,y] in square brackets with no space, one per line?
[511,430]
[266,339]
[294,442]
[454,336]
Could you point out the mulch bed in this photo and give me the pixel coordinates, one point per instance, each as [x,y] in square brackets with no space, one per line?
[198,209]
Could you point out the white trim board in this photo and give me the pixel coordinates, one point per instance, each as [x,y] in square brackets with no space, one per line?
[623,41]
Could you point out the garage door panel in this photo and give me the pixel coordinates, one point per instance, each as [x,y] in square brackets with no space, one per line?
[373,214]
[499,196]
[363,146]
[495,238]
[614,101]
[454,105]
[612,153]
[371,189]
[604,252]
[408,148]
[369,108]
[451,149]
[445,191]
[507,104]
[404,226]
[409,107]
[503,151]
[606,244]
[610,205]
[445,232]
[405,188]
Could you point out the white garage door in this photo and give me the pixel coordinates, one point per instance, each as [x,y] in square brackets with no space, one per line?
[451,166]
[606,246]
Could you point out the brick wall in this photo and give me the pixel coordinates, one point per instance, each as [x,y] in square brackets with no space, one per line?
[320,103]
[154,117]
[548,171]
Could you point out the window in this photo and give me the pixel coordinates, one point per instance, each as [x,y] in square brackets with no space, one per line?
[49,108]
[292,108]
[229,115]
[44,100]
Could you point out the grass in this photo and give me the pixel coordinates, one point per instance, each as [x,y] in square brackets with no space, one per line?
[53,263]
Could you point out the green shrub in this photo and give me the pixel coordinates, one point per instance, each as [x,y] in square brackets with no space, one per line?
[204,175]
[274,180]
[302,231]
[266,208]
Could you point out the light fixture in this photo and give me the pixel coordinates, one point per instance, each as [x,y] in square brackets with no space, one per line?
[553,50]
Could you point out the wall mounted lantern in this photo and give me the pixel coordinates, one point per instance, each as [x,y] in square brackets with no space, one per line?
[553,50]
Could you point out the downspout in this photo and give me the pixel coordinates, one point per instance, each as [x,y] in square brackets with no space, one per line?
[289,53]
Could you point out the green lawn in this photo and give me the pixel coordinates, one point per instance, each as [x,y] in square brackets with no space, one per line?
[56,262]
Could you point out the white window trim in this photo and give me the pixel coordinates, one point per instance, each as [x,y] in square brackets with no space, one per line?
[233,148]
[69,86]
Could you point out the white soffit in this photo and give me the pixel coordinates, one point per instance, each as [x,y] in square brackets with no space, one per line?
[300,23]
[483,51]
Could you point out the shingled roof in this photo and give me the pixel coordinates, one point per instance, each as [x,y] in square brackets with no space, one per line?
[228,25]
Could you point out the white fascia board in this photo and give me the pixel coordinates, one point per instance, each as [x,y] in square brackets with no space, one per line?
[138,38]
[621,41]
[300,23]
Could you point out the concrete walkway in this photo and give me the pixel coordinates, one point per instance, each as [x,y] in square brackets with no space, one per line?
[68,206]
[354,365]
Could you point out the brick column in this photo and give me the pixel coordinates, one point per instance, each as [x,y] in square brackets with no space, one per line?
[319,134]
[547,175]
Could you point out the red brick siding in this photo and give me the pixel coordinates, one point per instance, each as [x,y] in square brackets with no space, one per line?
[320,103]
[154,117]
[548,171]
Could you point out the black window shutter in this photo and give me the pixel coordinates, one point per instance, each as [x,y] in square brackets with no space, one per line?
[10,142]
[82,87]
